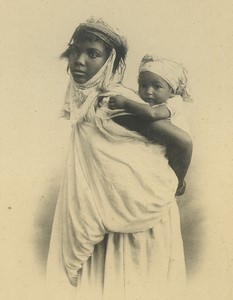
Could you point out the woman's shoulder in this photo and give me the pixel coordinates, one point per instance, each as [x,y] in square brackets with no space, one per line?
[120,89]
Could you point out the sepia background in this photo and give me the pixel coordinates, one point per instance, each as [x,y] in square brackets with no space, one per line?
[34,139]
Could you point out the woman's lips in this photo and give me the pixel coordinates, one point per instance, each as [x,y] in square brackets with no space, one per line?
[79,72]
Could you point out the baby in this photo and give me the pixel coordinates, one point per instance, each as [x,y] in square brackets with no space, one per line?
[162,84]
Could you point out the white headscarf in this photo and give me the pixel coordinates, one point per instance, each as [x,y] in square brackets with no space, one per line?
[173,73]
[80,97]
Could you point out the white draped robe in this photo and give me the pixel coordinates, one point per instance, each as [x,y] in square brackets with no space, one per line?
[116,232]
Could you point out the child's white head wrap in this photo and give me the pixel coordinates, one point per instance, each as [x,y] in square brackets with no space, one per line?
[173,73]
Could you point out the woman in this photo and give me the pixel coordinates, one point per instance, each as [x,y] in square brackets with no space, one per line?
[116,230]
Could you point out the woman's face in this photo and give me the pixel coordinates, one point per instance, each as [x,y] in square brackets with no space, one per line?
[86,59]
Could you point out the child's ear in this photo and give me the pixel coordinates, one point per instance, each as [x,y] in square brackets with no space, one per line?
[172,93]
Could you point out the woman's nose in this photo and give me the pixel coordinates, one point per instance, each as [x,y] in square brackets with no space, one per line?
[80,59]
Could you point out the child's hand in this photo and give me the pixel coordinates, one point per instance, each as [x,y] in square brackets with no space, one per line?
[117,102]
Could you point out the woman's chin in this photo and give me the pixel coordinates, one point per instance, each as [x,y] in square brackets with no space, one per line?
[80,79]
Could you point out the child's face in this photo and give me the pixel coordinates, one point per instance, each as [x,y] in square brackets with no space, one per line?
[152,88]
[86,59]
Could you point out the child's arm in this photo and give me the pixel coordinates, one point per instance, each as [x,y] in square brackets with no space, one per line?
[178,142]
[143,111]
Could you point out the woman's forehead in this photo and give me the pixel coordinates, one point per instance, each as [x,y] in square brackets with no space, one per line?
[89,38]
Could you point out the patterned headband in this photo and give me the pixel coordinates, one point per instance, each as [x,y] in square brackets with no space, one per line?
[103,31]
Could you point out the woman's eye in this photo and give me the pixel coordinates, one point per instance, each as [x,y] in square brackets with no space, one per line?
[93,54]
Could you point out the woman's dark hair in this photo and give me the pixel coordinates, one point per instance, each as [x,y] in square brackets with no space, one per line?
[84,34]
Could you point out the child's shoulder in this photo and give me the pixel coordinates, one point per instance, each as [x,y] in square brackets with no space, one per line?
[175,99]
[175,104]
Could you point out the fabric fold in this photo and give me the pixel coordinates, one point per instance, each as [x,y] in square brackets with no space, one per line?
[107,188]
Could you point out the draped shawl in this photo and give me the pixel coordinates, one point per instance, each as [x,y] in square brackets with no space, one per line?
[115,180]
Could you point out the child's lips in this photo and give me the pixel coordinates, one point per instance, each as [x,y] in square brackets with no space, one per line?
[150,100]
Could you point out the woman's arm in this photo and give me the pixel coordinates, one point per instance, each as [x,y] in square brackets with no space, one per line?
[178,142]
[143,111]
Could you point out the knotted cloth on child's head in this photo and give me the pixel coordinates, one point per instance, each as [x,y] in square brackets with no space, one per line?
[173,73]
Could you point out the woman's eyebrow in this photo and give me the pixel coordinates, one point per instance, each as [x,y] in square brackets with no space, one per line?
[93,49]
[74,46]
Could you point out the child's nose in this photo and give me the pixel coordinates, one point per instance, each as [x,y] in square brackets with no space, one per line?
[149,90]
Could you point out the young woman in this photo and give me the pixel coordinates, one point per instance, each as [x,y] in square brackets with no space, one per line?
[116,232]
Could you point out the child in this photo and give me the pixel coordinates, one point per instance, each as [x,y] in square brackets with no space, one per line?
[162,84]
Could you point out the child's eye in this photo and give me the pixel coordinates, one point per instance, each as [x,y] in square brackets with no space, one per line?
[141,85]
[156,86]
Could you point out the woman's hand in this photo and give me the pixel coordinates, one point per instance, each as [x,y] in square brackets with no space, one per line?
[117,102]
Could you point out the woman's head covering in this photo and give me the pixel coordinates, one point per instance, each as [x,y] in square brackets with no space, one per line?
[172,72]
[111,37]
[81,97]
